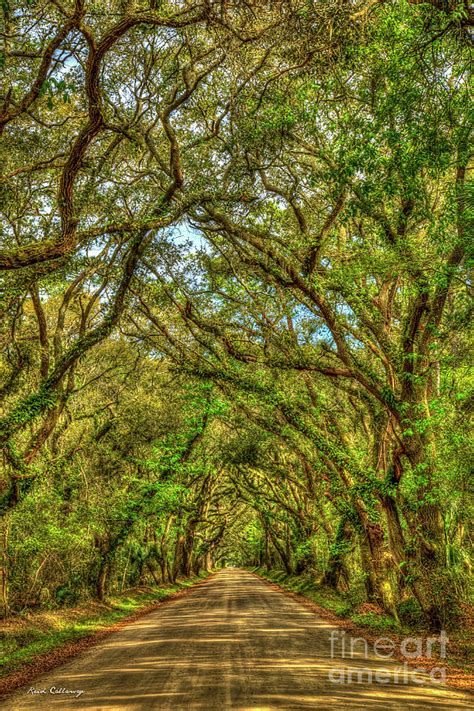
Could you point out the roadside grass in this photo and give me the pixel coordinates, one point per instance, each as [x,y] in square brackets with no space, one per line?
[26,636]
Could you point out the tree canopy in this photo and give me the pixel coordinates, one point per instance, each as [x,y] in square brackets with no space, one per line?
[235,253]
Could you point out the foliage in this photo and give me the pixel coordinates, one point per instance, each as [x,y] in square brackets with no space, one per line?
[235,243]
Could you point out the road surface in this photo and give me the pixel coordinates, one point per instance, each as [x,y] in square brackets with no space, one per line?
[231,643]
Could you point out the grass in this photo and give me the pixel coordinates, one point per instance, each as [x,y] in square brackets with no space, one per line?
[375,621]
[24,637]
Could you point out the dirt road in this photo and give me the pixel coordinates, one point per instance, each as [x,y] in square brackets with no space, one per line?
[232,643]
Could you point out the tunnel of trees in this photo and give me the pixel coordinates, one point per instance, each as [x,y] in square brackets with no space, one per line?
[235,296]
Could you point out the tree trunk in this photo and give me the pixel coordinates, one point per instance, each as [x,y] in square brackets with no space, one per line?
[382,576]
[5,607]
[102,579]
[153,572]
[434,589]
[336,570]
